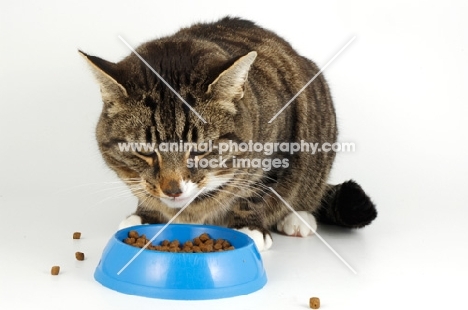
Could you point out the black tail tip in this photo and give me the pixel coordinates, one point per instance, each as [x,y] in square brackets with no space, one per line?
[353,208]
[346,205]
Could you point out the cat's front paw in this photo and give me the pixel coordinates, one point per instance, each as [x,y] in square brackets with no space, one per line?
[262,240]
[132,220]
[292,225]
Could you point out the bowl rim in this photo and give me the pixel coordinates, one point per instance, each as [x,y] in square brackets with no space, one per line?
[247,241]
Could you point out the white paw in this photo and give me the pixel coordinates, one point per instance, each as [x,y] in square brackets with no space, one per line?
[262,243]
[292,225]
[132,220]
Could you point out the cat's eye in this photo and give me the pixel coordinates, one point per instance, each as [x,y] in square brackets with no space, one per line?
[149,157]
[146,154]
[197,153]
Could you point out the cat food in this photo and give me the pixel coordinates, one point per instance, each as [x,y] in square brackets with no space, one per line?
[76,235]
[314,303]
[79,255]
[200,244]
[55,270]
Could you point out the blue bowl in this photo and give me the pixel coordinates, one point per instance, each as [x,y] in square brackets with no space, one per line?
[184,276]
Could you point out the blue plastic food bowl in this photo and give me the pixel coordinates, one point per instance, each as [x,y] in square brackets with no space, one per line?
[186,276]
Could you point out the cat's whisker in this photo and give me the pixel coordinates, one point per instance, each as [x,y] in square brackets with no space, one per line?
[131,180]
[240,197]
[245,186]
[261,191]
[128,189]
[108,191]
[250,174]
[239,180]
[64,190]
[111,189]
[146,198]
[123,191]
[249,189]
[262,176]
[246,183]
[229,192]
[211,196]
[119,196]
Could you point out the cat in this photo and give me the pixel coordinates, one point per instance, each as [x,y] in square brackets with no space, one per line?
[232,77]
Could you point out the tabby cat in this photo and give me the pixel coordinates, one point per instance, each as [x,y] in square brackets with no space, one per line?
[228,78]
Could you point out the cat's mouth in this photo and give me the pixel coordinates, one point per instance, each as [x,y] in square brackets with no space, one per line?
[176,202]
[190,191]
[176,199]
[181,201]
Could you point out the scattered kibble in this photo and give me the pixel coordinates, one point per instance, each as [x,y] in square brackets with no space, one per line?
[314,302]
[79,255]
[55,270]
[201,244]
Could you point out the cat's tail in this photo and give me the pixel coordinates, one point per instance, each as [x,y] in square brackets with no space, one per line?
[346,205]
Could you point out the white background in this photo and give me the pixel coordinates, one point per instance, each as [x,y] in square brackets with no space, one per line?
[400,95]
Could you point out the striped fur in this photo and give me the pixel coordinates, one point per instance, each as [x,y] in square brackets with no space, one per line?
[237,93]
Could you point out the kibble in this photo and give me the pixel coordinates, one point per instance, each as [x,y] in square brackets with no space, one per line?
[201,244]
[133,234]
[174,244]
[76,235]
[314,302]
[79,255]
[204,237]
[55,270]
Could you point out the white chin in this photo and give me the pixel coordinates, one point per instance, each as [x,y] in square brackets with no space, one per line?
[189,190]
[177,202]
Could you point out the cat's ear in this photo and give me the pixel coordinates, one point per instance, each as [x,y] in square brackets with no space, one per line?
[229,85]
[108,76]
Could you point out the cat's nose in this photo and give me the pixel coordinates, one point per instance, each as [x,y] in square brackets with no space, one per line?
[171,189]
[173,194]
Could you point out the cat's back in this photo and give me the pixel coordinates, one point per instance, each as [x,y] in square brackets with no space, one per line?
[236,35]
[194,56]
[218,44]
[278,65]
[210,48]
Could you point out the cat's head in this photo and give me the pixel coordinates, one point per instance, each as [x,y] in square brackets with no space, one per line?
[140,108]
